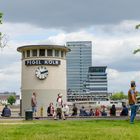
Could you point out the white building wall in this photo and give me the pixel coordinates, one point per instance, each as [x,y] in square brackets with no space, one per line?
[47,90]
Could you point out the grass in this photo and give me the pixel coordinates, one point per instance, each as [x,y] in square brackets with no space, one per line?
[70,130]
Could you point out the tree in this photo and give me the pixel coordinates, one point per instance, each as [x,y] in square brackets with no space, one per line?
[11,99]
[3,37]
[1,17]
[136,50]
[118,96]
[0,23]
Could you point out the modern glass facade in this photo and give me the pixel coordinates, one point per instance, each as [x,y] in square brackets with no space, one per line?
[78,62]
[97,82]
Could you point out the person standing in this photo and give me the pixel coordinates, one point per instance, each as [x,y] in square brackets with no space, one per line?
[132,101]
[34,104]
[59,105]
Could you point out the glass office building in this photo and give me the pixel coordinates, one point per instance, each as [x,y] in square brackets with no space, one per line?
[78,62]
[96,83]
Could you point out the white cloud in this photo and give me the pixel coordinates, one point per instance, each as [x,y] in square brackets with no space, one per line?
[120,81]
[112,46]
[109,48]
[10,77]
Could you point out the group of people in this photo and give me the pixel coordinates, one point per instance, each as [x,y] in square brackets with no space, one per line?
[62,110]
[103,111]
[91,112]
[132,99]
[124,111]
[83,112]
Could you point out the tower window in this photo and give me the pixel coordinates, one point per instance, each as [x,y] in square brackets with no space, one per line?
[42,52]
[34,52]
[49,52]
[28,53]
[57,53]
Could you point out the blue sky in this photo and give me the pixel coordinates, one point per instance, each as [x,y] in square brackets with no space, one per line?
[111,31]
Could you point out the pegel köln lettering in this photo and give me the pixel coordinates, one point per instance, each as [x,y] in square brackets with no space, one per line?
[42,62]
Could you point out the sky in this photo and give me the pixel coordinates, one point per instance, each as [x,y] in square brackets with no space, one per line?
[110,25]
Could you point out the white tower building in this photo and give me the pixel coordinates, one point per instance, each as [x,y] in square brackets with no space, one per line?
[43,72]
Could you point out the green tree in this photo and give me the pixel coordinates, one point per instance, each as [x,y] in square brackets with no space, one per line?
[137,50]
[11,99]
[118,96]
[0,22]
[1,17]
[3,37]
[0,32]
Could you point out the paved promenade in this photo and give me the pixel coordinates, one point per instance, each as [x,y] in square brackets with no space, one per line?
[68,118]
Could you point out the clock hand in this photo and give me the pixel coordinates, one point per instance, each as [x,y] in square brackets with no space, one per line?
[44,72]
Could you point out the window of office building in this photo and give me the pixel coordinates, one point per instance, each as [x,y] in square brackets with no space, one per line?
[42,52]
[34,52]
[28,53]
[57,53]
[49,52]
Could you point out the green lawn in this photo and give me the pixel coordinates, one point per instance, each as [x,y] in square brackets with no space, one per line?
[70,130]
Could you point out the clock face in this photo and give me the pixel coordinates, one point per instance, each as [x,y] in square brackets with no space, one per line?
[41,72]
